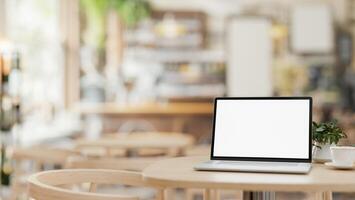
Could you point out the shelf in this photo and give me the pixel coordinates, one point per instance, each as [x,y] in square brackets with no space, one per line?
[151,109]
[171,56]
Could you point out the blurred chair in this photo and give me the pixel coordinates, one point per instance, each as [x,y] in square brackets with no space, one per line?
[129,164]
[70,184]
[34,159]
[138,147]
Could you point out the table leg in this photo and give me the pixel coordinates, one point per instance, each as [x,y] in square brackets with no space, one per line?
[169,193]
[324,195]
[207,194]
[160,194]
[258,195]
[217,195]
[328,195]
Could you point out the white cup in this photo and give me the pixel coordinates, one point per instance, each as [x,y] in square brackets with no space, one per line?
[343,155]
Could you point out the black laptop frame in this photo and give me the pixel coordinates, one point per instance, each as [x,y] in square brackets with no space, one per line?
[269,159]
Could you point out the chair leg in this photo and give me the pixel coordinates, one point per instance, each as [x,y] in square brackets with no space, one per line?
[324,195]
[191,193]
[93,187]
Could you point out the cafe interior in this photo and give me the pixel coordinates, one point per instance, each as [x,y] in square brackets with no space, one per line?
[104,90]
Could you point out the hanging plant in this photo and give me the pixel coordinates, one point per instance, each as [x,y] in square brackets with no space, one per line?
[131,11]
[95,11]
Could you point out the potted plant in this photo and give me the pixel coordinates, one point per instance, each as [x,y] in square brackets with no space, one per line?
[325,135]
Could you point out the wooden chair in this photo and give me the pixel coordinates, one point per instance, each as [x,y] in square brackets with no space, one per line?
[138,146]
[136,164]
[48,185]
[34,159]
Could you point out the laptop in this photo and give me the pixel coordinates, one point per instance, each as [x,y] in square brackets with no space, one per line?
[261,134]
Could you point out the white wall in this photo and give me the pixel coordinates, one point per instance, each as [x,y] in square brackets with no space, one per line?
[249,57]
[312,28]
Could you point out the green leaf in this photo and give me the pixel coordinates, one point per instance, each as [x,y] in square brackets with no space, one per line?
[320,129]
[130,11]
[327,132]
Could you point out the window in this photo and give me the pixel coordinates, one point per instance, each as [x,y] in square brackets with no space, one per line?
[34,26]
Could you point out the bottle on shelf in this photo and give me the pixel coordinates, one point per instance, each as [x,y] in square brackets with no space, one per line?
[15,76]
[6,167]
[10,77]
[6,114]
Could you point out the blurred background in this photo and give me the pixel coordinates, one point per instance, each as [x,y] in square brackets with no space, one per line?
[85,68]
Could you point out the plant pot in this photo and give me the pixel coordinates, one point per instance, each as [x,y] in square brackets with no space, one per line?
[322,154]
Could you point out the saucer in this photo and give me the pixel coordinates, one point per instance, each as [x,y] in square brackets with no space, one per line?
[333,165]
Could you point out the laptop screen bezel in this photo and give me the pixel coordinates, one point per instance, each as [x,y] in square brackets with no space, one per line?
[267,159]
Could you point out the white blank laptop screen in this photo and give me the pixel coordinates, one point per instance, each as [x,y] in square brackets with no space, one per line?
[262,128]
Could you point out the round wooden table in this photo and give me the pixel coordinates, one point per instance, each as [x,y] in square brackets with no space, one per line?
[179,173]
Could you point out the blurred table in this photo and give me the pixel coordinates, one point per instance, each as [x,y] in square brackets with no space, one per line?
[188,117]
[179,173]
[198,150]
[186,108]
[169,143]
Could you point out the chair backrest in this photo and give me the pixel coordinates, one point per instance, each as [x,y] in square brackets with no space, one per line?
[130,164]
[47,185]
[34,159]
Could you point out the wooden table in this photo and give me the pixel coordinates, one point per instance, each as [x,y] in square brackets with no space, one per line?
[171,116]
[150,109]
[178,172]
[175,142]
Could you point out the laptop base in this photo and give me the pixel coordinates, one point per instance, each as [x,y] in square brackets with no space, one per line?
[255,166]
